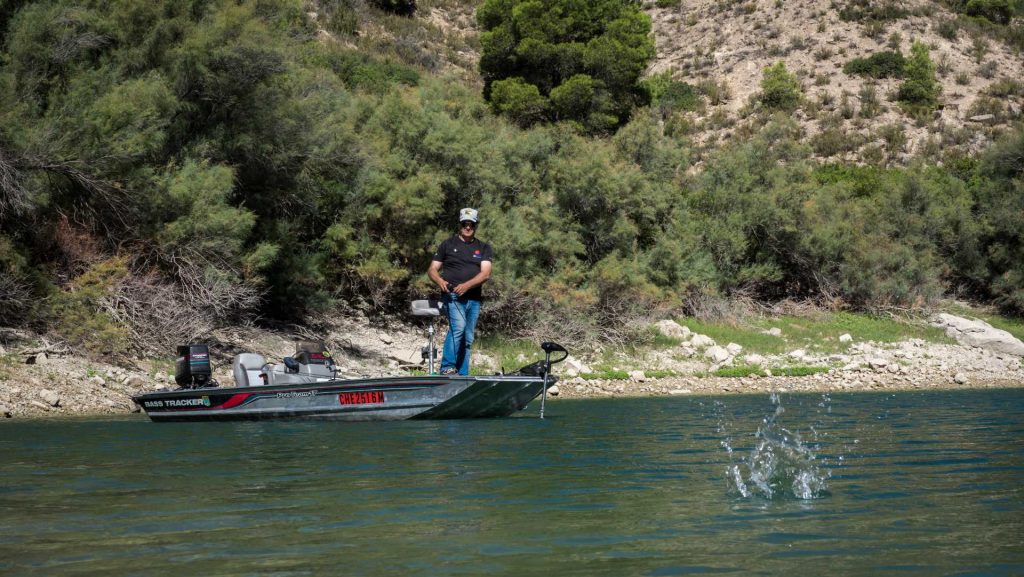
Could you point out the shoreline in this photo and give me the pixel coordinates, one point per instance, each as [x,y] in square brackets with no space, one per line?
[117,401]
[37,381]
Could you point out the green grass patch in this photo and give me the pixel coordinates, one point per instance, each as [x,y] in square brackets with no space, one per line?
[819,334]
[607,375]
[748,370]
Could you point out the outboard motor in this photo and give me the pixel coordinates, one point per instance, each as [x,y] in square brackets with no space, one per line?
[193,370]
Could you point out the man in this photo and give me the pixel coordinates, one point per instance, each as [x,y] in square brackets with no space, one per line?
[461,264]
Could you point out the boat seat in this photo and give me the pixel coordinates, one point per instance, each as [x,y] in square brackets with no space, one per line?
[247,368]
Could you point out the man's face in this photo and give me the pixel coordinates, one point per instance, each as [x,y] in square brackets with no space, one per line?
[467,228]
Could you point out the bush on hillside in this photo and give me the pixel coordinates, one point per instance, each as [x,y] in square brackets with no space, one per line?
[780,89]
[920,89]
[886,64]
[587,57]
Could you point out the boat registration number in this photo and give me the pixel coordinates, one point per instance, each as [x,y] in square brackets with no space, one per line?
[361,398]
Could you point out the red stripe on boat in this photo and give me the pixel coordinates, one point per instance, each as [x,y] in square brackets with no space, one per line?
[234,401]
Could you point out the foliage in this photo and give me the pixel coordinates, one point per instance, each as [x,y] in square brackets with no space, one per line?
[886,64]
[80,311]
[242,168]
[920,89]
[564,60]
[780,89]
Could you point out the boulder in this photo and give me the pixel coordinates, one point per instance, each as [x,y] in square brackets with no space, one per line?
[5,412]
[754,359]
[671,328]
[798,355]
[574,366]
[135,381]
[637,376]
[717,354]
[98,381]
[553,390]
[51,398]
[733,349]
[702,341]
[960,379]
[775,332]
[845,338]
[978,333]
[877,363]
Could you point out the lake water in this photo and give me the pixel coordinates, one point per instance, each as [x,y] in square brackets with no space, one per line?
[861,484]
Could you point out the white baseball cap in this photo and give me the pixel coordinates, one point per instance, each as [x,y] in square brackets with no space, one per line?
[469,214]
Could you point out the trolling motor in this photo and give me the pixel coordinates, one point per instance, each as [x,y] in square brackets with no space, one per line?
[543,368]
[549,347]
[428,308]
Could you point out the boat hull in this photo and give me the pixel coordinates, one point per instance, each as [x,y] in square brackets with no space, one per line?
[385,399]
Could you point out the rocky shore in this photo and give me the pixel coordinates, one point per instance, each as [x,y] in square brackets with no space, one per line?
[41,381]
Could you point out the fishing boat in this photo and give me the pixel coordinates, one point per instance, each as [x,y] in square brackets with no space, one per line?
[307,386]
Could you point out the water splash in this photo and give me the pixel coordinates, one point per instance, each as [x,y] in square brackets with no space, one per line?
[782,463]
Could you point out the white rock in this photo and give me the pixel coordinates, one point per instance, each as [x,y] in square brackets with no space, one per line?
[845,338]
[574,366]
[679,392]
[754,359]
[733,349]
[960,379]
[671,328]
[135,381]
[717,354]
[42,359]
[798,354]
[98,380]
[51,398]
[978,333]
[702,341]
[637,376]
[5,412]
[775,332]
[893,368]
[877,363]
[553,390]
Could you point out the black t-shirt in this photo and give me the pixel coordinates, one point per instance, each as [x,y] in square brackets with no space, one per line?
[460,261]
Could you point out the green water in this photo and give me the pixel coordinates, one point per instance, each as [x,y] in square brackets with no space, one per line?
[904,484]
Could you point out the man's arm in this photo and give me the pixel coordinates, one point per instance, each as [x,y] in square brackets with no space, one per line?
[479,279]
[434,272]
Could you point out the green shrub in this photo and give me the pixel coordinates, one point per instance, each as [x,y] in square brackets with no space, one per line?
[879,65]
[780,89]
[920,89]
[78,312]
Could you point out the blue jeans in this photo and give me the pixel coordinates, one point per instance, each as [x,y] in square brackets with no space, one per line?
[462,315]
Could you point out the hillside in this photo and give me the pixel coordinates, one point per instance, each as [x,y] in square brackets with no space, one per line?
[722,49]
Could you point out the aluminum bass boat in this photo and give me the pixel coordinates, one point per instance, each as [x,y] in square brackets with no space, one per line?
[307,386]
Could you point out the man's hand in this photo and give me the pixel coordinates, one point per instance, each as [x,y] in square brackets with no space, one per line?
[460,289]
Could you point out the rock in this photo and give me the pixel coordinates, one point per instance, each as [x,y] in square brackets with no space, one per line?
[733,349]
[798,354]
[893,368]
[98,380]
[877,363]
[717,354]
[386,339]
[671,328]
[775,332]
[553,390]
[679,392]
[845,338]
[754,359]
[702,341]
[39,405]
[637,376]
[135,381]
[978,333]
[574,366]
[5,412]
[982,118]
[51,398]
[960,379]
